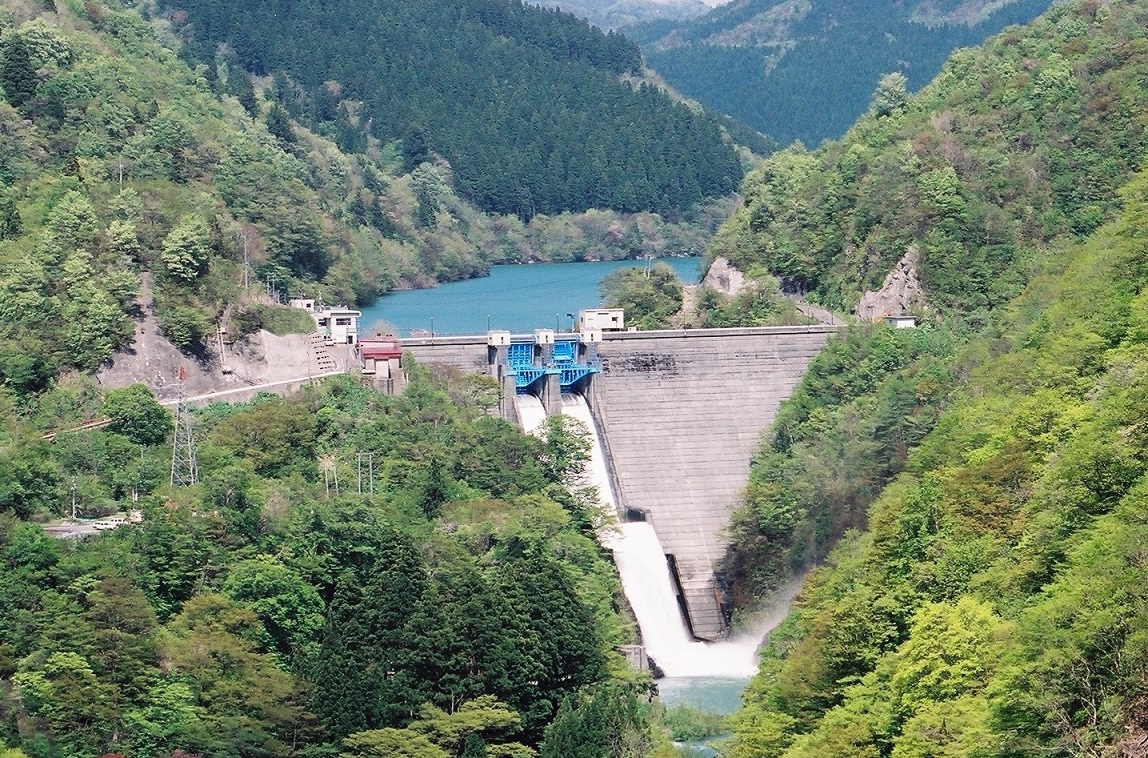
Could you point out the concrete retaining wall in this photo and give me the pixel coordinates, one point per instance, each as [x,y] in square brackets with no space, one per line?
[466,353]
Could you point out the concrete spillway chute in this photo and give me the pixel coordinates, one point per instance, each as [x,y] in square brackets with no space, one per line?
[683,414]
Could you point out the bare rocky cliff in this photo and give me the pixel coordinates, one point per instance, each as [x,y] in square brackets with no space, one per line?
[723,277]
[898,295]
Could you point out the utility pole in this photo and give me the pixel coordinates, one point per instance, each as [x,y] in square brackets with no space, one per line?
[246,263]
[73,498]
[219,331]
[331,471]
[137,483]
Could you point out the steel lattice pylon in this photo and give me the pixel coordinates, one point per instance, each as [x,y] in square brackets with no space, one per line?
[183,469]
[366,461]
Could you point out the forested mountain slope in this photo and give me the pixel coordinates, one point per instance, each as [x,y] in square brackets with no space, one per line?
[805,69]
[118,159]
[526,104]
[997,604]
[618,14]
[1012,149]
[994,604]
[447,600]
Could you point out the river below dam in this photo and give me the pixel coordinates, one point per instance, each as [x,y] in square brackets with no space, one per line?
[518,298]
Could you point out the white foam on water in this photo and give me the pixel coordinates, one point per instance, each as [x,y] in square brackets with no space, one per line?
[649,587]
[650,590]
[575,407]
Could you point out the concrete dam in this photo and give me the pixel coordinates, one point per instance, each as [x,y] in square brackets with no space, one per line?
[681,414]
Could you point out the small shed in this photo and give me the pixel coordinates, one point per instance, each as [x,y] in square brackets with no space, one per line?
[380,356]
[338,325]
[305,303]
[901,322]
[604,319]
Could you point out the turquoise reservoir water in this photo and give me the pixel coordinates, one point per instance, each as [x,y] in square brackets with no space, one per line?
[518,298]
[521,298]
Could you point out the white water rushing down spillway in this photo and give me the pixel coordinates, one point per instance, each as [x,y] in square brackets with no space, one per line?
[649,586]
[531,414]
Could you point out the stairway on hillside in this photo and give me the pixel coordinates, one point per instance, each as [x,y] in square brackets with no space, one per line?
[322,359]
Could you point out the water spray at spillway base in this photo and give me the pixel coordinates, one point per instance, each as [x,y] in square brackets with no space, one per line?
[649,586]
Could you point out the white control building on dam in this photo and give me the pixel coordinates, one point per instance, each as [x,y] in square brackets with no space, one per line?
[681,414]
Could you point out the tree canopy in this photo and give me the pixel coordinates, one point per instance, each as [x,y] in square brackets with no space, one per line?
[970,484]
[526,104]
[123,161]
[806,71]
[273,609]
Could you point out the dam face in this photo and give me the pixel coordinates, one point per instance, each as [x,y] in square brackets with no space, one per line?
[681,414]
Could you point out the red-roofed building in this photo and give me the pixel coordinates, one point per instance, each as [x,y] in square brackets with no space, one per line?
[381,357]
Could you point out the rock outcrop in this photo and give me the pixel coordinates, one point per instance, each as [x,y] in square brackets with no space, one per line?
[724,278]
[900,292]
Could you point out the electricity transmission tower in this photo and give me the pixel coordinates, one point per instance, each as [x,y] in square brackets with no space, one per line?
[183,469]
[366,461]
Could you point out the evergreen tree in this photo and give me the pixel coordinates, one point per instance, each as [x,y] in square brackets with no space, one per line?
[279,124]
[11,225]
[363,674]
[417,148]
[475,747]
[239,82]
[603,721]
[16,72]
[891,95]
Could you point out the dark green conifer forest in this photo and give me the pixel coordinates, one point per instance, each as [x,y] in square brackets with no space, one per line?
[525,104]
[813,78]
